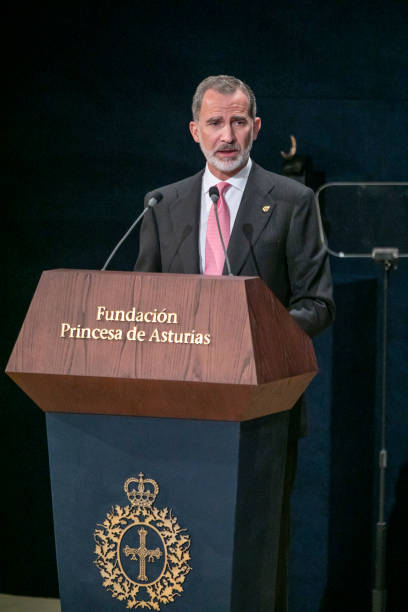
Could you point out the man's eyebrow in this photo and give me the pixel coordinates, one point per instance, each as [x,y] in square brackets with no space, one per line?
[215,118]
[233,118]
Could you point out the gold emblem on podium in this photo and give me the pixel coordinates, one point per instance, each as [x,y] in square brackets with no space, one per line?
[142,552]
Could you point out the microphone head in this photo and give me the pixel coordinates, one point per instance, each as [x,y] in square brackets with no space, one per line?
[214,193]
[155,198]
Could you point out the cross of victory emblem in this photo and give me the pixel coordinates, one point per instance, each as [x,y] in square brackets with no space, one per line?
[132,549]
[142,553]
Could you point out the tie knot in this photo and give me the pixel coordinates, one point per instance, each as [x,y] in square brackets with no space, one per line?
[222,187]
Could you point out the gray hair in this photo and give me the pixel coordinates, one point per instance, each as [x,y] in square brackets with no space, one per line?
[224,84]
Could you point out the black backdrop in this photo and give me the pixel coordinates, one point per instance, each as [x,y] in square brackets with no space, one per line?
[96,100]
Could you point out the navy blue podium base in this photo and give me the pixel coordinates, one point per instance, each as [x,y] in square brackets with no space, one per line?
[223,482]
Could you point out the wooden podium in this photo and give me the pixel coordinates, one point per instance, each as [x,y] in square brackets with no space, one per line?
[167,401]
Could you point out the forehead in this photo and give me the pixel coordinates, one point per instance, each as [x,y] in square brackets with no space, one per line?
[216,104]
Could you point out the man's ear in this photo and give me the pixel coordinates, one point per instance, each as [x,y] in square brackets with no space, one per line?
[194,131]
[256,127]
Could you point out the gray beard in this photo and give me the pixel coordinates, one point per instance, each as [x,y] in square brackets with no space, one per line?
[228,165]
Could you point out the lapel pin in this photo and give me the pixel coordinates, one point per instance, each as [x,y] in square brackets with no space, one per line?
[265,209]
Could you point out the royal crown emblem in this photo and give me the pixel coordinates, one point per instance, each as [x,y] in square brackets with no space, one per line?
[142,552]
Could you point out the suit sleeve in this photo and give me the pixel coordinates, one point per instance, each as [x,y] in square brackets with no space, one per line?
[311,302]
[149,259]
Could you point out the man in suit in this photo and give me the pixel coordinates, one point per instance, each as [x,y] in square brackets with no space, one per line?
[269,226]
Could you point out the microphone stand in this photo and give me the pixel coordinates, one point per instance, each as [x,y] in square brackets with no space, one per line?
[222,240]
[214,196]
[155,199]
[389,258]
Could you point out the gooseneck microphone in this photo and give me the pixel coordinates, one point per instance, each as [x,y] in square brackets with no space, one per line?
[214,196]
[153,200]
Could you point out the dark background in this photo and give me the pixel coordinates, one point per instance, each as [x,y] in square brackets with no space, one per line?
[95,105]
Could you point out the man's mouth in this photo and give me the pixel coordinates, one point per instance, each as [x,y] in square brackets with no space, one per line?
[227,152]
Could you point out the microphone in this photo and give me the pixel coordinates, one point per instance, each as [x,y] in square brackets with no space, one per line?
[214,196]
[153,200]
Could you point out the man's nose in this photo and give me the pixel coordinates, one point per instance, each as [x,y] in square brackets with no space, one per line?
[228,134]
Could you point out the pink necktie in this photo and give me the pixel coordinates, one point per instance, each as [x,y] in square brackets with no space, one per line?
[214,254]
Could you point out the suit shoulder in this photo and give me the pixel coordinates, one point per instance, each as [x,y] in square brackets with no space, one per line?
[179,187]
[285,188]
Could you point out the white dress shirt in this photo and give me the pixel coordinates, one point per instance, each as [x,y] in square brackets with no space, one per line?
[232,196]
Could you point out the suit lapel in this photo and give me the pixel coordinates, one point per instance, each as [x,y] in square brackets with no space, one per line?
[185,216]
[254,213]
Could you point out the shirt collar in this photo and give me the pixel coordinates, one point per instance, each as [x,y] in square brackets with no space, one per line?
[239,180]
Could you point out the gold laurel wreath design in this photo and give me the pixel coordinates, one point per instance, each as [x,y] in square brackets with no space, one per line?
[177,543]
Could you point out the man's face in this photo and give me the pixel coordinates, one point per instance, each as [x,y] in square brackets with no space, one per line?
[225,131]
